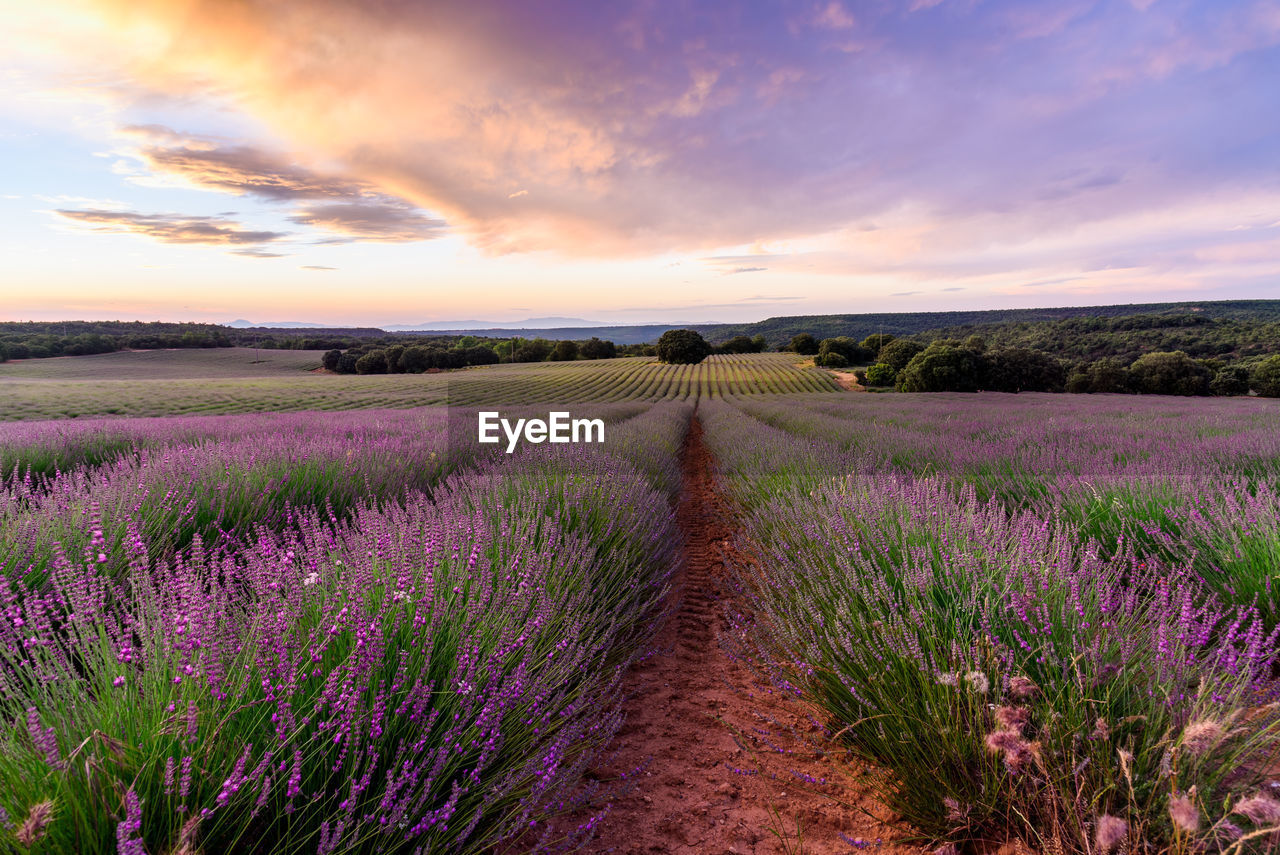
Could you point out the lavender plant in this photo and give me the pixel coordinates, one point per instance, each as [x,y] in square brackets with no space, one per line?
[424,675]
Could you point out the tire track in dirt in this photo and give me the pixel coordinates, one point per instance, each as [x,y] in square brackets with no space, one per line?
[716,761]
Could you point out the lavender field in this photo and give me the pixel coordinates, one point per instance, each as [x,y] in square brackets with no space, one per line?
[1039,618]
[1043,618]
[302,634]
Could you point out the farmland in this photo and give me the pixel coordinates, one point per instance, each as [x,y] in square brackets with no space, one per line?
[231,380]
[1045,618]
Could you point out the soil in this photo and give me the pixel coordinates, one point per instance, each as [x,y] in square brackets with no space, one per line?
[711,758]
[848,381]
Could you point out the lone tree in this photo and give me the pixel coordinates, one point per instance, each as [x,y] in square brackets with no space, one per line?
[682,347]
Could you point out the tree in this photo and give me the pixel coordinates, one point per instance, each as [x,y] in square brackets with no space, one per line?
[536,350]
[1017,369]
[830,359]
[849,348]
[1230,380]
[682,347]
[804,344]
[598,349]
[347,364]
[373,362]
[738,344]
[330,360]
[416,359]
[941,367]
[899,352]
[564,351]
[1169,373]
[759,343]
[394,354]
[1266,377]
[1103,376]
[881,374]
[875,341]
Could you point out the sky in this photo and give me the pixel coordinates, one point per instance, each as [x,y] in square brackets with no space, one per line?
[390,162]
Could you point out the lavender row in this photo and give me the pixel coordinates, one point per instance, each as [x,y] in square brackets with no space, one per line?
[1011,675]
[428,674]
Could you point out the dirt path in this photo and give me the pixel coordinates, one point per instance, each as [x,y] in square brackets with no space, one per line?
[724,763]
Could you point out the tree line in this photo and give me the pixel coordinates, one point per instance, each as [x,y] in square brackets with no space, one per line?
[929,363]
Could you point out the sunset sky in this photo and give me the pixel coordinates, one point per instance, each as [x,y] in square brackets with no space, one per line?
[391,162]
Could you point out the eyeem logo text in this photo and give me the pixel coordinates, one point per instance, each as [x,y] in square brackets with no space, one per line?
[558,427]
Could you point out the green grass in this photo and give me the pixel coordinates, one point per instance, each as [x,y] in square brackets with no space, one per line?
[168,383]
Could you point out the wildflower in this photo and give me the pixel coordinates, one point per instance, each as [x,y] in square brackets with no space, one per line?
[948,678]
[1201,737]
[956,812]
[1260,810]
[128,831]
[1013,718]
[979,681]
[1183,812]
[1109,832]
[947,849]
[1021,688]
[1101,730]
[118,681]
[1009,743]
[32,828]
[311,579]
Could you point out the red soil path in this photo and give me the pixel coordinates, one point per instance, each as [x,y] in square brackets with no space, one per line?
[725,761]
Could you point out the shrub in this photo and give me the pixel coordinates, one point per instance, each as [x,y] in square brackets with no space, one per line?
[881,374]
[1018,369]
[1169,373]
[373,362]
[831,359]
[682,347]
[1229,381]
[941,368]
[330,359]
[1266,377]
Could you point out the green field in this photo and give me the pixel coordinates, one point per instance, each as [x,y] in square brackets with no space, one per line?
[178,382]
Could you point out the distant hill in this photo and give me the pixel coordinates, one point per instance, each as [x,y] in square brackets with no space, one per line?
[639,334]
[780,330]
[242,324]
[468,326]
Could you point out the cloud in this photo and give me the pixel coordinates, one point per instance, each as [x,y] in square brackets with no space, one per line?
[636,130]
[517,194]
[744,270]
[317,267]
[905,293]
[371,221]
[834,16]
[257,252]
[173,228]
[358,210]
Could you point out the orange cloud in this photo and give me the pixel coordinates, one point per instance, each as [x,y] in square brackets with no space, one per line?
[175,228]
